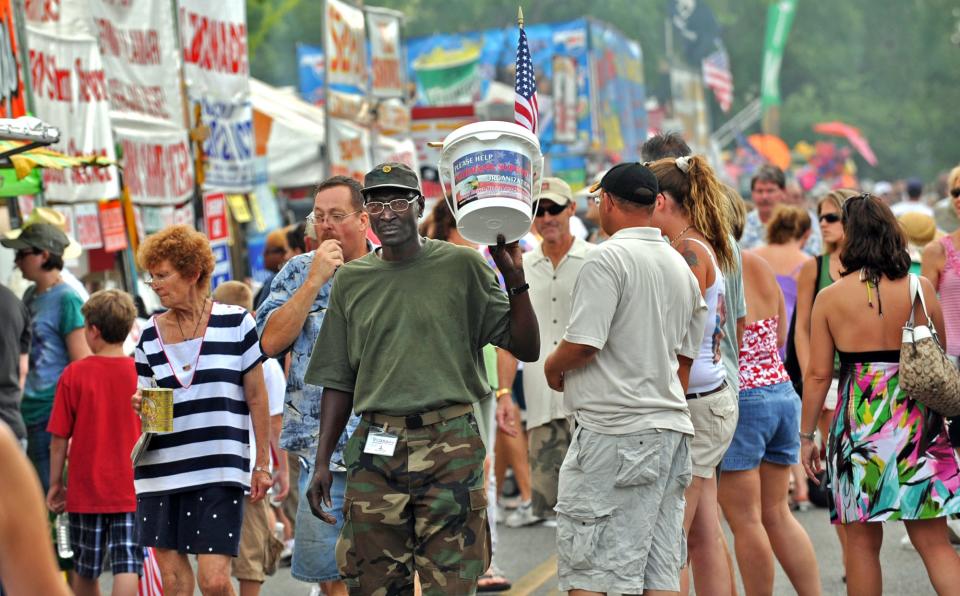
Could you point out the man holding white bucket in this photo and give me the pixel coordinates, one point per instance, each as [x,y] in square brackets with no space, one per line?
[400,345]
[635,327]
[552,270]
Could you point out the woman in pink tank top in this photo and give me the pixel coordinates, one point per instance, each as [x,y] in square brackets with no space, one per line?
[941,265]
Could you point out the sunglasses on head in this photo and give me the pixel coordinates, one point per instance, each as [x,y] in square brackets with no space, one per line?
[830,218]
[955,193]
[552,210]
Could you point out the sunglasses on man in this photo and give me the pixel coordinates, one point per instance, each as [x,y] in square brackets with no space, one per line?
[552,210]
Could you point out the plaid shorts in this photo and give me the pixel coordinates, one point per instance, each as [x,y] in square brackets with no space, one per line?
[91,534]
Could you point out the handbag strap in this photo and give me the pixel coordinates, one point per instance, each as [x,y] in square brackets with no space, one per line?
[917,292]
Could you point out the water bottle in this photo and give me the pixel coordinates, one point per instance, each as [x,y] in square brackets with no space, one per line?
[64,550]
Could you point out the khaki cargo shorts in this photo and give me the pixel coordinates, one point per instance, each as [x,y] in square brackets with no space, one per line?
[714,420]
[620,511]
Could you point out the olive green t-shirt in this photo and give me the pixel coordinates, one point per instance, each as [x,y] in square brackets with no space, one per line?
[407,338]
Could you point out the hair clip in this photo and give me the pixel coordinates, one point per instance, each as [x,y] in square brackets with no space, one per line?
[683,163]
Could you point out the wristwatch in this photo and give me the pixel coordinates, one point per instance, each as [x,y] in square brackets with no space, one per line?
[518,290]
[262,469]
[808,436]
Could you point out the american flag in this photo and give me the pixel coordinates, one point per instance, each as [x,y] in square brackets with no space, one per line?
[525,110]
[717,76]
[150,582]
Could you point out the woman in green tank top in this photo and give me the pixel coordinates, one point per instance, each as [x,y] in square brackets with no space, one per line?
[816,275]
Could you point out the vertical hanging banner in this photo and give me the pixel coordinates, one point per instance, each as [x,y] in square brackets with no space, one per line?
[158,167]
[349,147]
[383,29]
[69,92]
[88,225]
[344,45]
[779,19]
[565,99]
[215,216]
[138,45]
[112,226]
[217,70]
[11,81]
[389,149]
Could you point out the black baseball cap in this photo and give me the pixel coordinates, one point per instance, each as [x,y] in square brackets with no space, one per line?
[630,182]
[39,236]
[391,175]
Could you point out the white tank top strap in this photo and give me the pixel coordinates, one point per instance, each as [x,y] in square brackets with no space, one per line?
[709,250]
[707,372]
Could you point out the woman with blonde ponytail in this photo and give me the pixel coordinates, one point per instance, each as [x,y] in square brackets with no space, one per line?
[695,219]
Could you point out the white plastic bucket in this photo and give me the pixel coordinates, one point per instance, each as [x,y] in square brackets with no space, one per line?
[492,171]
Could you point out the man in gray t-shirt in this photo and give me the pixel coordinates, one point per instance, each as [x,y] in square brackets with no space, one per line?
[14,352]
[636,324]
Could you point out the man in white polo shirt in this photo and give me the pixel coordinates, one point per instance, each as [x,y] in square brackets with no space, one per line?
[551,270]
[636,325]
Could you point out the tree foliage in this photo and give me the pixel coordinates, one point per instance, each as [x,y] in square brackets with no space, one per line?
[885,66]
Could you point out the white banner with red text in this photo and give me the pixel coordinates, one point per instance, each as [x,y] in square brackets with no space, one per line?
[69,92]
[138,45]
[157,165]
[349,147]
[344,41]
[386,59]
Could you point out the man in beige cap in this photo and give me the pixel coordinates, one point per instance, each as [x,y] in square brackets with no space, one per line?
[551,270]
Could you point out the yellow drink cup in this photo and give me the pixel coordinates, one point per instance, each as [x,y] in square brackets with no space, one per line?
[156,410]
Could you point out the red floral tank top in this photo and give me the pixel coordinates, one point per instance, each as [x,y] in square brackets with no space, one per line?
[760,363]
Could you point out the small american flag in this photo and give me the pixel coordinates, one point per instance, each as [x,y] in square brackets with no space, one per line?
[717,76]
[150,582]
[525,110]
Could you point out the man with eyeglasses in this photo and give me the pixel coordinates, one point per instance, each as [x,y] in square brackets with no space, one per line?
[551,270]
[401,345]
[289,320]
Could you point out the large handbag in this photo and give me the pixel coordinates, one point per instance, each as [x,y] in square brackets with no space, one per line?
[926,373]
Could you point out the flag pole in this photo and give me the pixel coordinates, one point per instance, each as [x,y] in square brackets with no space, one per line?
[520,16]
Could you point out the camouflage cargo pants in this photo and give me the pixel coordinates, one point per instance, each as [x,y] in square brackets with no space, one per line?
[423,509]
[548,447]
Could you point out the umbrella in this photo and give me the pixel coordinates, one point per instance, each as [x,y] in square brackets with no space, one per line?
[852,134]
[24,161]
[772,148]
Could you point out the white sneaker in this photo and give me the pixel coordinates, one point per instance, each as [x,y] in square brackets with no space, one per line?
[550,523]
[523,516]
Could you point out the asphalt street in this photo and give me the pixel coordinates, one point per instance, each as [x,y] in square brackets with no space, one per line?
[527,557]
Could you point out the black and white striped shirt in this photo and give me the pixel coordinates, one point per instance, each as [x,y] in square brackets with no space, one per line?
[209,444]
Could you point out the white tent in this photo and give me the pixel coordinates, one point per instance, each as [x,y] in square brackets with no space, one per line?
[290,132]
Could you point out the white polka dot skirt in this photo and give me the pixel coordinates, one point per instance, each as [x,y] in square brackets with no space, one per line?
[201,522]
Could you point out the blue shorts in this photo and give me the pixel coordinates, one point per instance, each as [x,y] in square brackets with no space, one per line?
[94,535]
[768,429]
[315,541]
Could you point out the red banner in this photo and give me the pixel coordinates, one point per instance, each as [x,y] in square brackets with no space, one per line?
[215,216]
[112,226]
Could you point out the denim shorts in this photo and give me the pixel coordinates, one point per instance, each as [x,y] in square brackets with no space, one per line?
[315,541]
[768,428]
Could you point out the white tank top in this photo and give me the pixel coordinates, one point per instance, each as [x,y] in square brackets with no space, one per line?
[708,372]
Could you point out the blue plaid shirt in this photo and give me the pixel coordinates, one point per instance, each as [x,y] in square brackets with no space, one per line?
[301,412]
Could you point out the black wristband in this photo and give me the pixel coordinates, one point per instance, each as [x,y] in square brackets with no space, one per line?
[518,290]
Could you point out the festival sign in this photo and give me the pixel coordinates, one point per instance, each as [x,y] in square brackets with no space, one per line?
[69,92]
[215,216]
[310,73]
[494,173]
[158,165]
[88,225]
[66,19]
[138,45]
[222,269]
[393,117]
[344,42]
[565,99]
[389,150]
[216,68]
[184,216]
[113,227]
[11,81]
[349,147]
[383,28]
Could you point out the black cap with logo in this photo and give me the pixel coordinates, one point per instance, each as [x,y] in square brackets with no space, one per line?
[39,236]
[391,175]
[630,182]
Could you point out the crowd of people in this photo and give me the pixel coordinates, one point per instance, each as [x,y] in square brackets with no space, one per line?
[694,358]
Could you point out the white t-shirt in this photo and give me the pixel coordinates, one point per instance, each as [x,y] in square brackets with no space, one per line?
[276,390]
[911,207]
[637,301]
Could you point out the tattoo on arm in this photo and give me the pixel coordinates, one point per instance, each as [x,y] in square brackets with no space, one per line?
[689,255]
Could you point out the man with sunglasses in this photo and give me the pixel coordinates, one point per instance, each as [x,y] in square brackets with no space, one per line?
[400,345]
[551,269]
[289,320]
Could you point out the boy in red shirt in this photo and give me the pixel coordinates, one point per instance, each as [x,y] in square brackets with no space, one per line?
[92,410]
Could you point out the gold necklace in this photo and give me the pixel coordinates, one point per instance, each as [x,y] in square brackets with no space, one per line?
[673,243]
